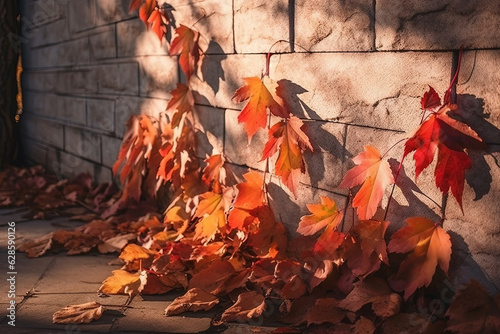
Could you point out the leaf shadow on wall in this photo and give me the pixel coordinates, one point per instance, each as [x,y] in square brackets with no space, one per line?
[409,189]
[463,267]
[211,67]
[479,176]
[323,142]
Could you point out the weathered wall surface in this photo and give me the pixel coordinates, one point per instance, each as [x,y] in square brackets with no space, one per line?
[358,67]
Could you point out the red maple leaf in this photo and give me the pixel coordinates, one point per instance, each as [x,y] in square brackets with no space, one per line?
[288,137]
[451,138]
[185,44]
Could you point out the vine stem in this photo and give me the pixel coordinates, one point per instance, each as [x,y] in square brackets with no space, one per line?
[451,96]
[393,187]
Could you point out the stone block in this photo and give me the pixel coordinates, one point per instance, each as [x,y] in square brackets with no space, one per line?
[102,44]
[64,108]
[68,165]
[478,93]
[210,131]
[39,81]
[100,114]
[120,78]
[83,143]
[158,75]
[144,43]
[110,148]
[108,11]
[81,15]
[42,12]
[77,81]
[36,36]
[322,25]
[43,130]
[34,152]
[437,25]
[258,24]
[74,52]
[214,21]
[378,90]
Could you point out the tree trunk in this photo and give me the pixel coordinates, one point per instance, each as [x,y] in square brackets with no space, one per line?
[9,29]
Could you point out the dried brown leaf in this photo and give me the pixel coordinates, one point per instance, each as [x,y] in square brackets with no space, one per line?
[193,300]
[249,305]
[78,314]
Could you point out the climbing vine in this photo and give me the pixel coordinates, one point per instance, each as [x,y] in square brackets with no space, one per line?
[219,239]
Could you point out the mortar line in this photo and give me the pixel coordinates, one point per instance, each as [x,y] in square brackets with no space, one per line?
[291,24]
[374,8]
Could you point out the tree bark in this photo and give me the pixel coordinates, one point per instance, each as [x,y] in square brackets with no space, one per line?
[9,29]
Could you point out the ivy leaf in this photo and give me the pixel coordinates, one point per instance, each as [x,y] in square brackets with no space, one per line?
[323,214]
[137,257]
[145,7]
[474,311]
[261,97]
[182,102]
[288,137]
[157,22]
[185,44]
[374,174]
[451,137]
[269,239]
[325,310]
[250,196]
[430,100]
[249,305]
[429,245]
[78,314]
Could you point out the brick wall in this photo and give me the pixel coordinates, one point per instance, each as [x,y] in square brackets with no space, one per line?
[358,67]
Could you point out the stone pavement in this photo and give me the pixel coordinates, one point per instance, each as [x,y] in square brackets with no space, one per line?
[47,284]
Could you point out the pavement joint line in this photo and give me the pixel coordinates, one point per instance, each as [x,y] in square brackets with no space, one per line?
[29,295]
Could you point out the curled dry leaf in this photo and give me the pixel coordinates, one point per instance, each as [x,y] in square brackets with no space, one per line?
[373,290]
[212,278]
[137,257]
[37,247]
[474,311]
[249,305]
[325,310]
[193,300]
[124,283]
[116,243]
[78,314]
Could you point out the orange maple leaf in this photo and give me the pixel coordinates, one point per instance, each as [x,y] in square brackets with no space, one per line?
[182,102]
[250,196]
[375,175]
[450,137]
[323,214]
[212,213]
[214,173]
[429,244]
[261,97]
[291,141]
[186,45]
[327,216]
